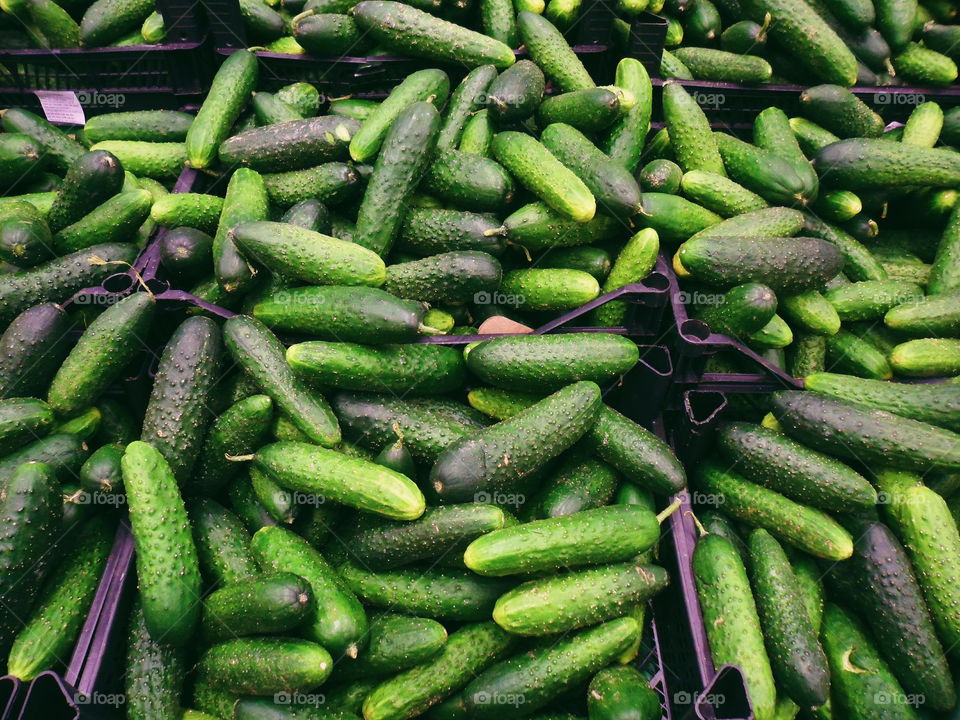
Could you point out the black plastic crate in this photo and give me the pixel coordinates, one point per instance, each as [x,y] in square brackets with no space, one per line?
[645,43]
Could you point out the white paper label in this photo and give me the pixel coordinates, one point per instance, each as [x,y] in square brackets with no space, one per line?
[61,106]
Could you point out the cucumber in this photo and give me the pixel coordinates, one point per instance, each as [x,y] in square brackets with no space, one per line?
[427,425]
[541,674]
[465,101]
[269,605]
[888,597]
[524,438]
[101,471]
[762,171]
[25,240]
[812,312]
[177,418]
[439,532]
[740,312]
[808,355]
[429,591]
[159,160]
[454,277]
[545,363]
[223,544]
[229,91]
[803,527]
[920,65]
[663,176]
[83,425]
[403,369]
[924,125]
[305,468]
[928,357]
[603,535]
[581,482]
[469,181]
[577,599]
[838,206]
[294,145]
[309,214]
[869,300]
[694,144]
[674,218]
[624,142]
[772,131]
[516,93]
[719,194]
[544,175]
[143,125]
[477,134]
[790,265]
[430,231]
[167,564]
[327,34]
[936,315]
[347,314]
[396,644]
[618,693]
[264,666]
[722,66]
[261,355]
[105,21]
[635,261]
[402,160]
[114,221]
[330,183]
[613,187]
[549,49]
[308,256]
[796,657]
[245,201]
[237,431]
[154,672]
[415,33]
[589,111]
[851,431]
[945,272]
[54,624]
[186,253]
[192,210]
[731,620]
[469,651]
[101,354]
[538,227]
[93,179]
[671,67]
[744,37]
[850,354]
[859,264]
[875,164]
[22,420]
[841,112]
[549,289]
[338,620]
[61,151]
[854,14]
[63,454]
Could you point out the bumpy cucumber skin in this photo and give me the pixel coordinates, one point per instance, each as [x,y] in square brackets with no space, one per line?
[731,619]
[331,183]
[115,220]
[927,357]
[245,201]
[545,363]
[273,604]
[55,622]
[476,464]
[144,125]
[602,535]
[675,218]
[237,431]
[516,93]
[339,621]
[439,532]
[619,693]
[801,526]
[850,354]
[577,599]
[859,264]
[868,164]
[539,675]
[589,111]
[664,176]
[449,278]
[154,672]
[745,310]
[856,432]
[795,654]
[720,194]
[100,356]
[229,92]
[61,149]
[921,65]
[430,231]
[841,112]
[788,467]
[469,181]
[223,543]
[469,650]
[91,180]
[177,417]
[935,316]
[722,66]
[167,566]
[550,289]
[397,643]
[411,368]
[635,261]
[158,160]
[261,354]
[945,273]
[465,101]
[624,143]
[306,468]
[264,666]
[290,146]
[193,210]
[549,49]
[810,311]
[101,471]
[764,172]
[428,426]
[62,453]
[690,134]
[22,420]
[772,221]
[580,483]
[536,226]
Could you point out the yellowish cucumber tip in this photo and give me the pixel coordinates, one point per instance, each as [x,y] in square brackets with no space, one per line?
[678,267]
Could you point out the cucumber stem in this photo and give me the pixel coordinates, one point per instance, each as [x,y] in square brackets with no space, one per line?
[767,19]
[703,531]
[848,664]
[668,510]
[239,458]
[427,330]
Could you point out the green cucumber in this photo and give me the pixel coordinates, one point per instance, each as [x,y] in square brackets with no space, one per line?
[167,564]
[223,543]
[723,66]
[772,131]
[581,482]
[692,140]
[269,605]
[101,354]
[856,432]
[928,357]
[848,353]
[841,112]
[477,134]
[923,66]
[772,221]
[396,643]
[294,145]
[635,261]
[114,221]
[63,454]
[94,178]
[549,49]
[530,439]
[25,240]
[265,666]
[516,92]
[624,142]
[674,218]
[261,355]
[60,150]
[924,125]
[875,164]
[808,355]
[144,125]
[430,231]
[741,311]
[838,206]
[671,67]
[154,672]
[859,264]
[803,527]
[589,111]
[663,176]
[327,34]
[762,171]
[310,214]
[469,181]
[404,369]
[23,420]
[105,21]
[619,693]
[449,278]
[549,289]
[945,272]
[329,183]
[413,32]
[305,468]
[158,160]
[237,431]
[229,91]
[101,471]
[538,227]
[812,312]
[245,201]
[869,300]
[465,101]
[719,194]
[192,210]
[936,316]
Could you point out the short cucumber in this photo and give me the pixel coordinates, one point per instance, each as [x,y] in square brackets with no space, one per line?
[223,543]
[469,181]
[538,227]
[235,432]
[808,355]
[663,176]
[624,142]
[192,210]
[589,111]
[273,604]
[720,194]
[723,66]
[430,231]
[692,140]
[859,264]
[21,421]
[549,289]
[450,278]
[741,311]
[810,311]
[465,101]
[673,217]
[145,125]
[477,134]
[101,471]
[62,454]
[115,220]
[762,171]
[841,112]
[396,643]
[773,221]
[618,693]
[635,261]
[516,93]
[158,160]
[265,666]
[549,49]
[850,354]
[294,145]
[928,357]
[930,316]
[61,149]
[94,178]
[154,672]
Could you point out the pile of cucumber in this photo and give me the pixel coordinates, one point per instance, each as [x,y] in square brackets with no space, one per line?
[803,42]
[69,24]
[827,242]
[828,561]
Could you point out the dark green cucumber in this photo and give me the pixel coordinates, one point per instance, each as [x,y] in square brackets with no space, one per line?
[664,176]
[538,227]
[874,164]
[723,66]
[177,417]
[229,91]
[931,316]
[115,220]
[453,277]
[945,273]
[541,674]
[848,353]
[859,264]
[549,49]
[327,34]
[788,467]
[294,145]
[577,599]
[440,532]
[469,181]
[23,420]
[772,131]
[265,666]
[61,150]
[841,112]
[469,651]
[811,312]
[223,543]
[530,439]
[63,454]
[589,111]
[396,643]
[624,142]
[154,672]
[427,425]
[466,99]
[741,311]
[54,624]
[807,355]
[796,656]
[25,240]
[101,354]
[245,202]
[428,591]
[237,431]
[101,472]
[690,136]
[91,180]
[160,161]
[673,217]
[167,564]
[871,299]
[429,231]
[860,433]
[619,693]
[477,134]
[143,125]
[305,468]
[269,605]
[338,620]
[309,214]
[927,357]
[591,260]
[186,253]
[580,483]
[516,93]
[764,172]
[799,525]
[330,183]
